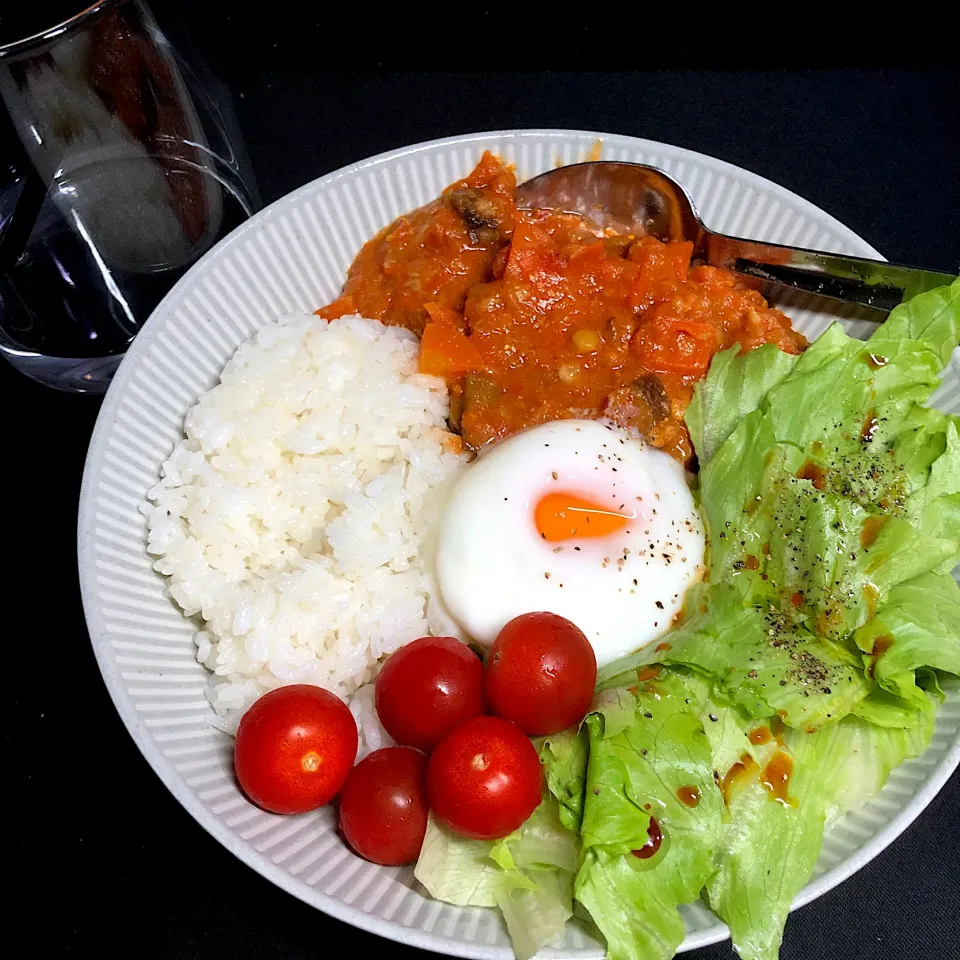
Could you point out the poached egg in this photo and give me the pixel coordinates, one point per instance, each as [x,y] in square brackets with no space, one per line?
[574,517]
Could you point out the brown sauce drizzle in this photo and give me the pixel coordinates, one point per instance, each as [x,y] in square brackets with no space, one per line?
[880,646]
[650,672]
[776,777]
[871,530]
[742,768]
[654,840]
[870,425]
[760,735]
[662,647]
[689,796]
[814,473]
[750,562]
[875,361]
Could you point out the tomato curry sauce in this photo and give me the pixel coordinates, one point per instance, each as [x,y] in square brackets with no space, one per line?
[532,317]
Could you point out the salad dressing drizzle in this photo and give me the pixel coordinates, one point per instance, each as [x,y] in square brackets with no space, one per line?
[689,796]
[814,473]
[875,361]
[654,840]
[880,646]
[760,735]
[742,768]
[870,531]
[776,777]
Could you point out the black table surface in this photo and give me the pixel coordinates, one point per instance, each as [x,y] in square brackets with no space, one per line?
[113,866]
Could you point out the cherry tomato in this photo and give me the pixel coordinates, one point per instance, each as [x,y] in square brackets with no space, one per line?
[541,673]
[383,806]
[294,748]
[428,687]
[483,779]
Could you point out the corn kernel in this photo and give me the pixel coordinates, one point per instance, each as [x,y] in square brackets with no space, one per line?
[586,341]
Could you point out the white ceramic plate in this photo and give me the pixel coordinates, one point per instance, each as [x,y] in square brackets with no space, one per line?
[293,257]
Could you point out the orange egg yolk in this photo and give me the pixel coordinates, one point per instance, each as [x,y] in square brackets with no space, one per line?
[563,516]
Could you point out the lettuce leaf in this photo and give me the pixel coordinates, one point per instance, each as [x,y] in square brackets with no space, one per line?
[831,498]
[829,387]
[528,875]
[638,773]
[536,914]
[838,403]
[935,507]
[931,320]
[617,708]
[457,870]
[884,709]
[767,852]
[564,760]
[918,625]
[830,553]
[839,379]
[729,483]
[834,559]
[761,660]
[735,387]
[824,485]
[768,849]
[852,759]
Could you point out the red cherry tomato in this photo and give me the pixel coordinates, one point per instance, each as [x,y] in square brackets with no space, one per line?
[541,672]
[428,687]
[383,806]
[483,779]
[294,748]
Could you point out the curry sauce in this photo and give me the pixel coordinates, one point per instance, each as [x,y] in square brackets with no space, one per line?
[531,317]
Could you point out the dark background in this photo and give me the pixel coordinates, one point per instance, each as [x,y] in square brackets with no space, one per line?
[113,866]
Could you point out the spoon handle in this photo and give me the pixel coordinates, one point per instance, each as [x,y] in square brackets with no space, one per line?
[873,283]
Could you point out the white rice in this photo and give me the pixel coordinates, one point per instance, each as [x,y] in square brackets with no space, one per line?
[294,518]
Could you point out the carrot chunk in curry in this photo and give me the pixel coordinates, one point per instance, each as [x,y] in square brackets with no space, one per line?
[532,317]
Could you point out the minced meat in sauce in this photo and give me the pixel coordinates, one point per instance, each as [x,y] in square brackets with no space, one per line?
[532,317]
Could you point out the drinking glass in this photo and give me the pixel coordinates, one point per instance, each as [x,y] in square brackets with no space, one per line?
[120,166]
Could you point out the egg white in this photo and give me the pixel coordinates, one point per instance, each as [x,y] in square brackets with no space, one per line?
[623,590]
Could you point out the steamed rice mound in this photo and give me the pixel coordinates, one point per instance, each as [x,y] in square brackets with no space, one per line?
[294,517]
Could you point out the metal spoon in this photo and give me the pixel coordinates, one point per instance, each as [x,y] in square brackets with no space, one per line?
[633,198]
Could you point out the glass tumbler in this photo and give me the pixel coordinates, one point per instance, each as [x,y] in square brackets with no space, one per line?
[120,166]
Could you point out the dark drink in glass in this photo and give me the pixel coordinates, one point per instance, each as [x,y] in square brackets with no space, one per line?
[120,166]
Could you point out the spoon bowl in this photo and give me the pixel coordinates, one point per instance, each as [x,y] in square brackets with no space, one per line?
[636,199]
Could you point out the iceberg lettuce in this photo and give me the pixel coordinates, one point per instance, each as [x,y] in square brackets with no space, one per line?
[830,494]
[528,875]
[647,780]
